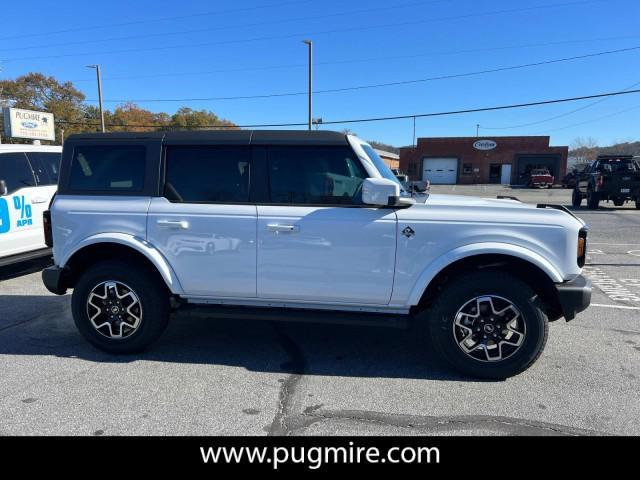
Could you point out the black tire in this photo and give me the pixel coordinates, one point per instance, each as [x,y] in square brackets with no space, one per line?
[638,203]
[593,199]
[153,299]
[576,198]
[459,292]
[618,202]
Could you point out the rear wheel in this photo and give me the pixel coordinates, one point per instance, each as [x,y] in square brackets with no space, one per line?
[576,198]
[487,325]
[593,199]
[120,308]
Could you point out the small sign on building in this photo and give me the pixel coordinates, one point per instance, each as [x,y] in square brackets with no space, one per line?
[19,123]
[484,145]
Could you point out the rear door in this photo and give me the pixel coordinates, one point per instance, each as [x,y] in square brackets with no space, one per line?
[203,223]
[317,243]
[46,167]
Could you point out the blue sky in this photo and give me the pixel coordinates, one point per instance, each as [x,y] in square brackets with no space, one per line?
[156,49]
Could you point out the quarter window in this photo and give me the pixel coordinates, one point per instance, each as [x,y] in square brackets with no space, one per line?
[15,171]
[215,174]
[315,175]
[108,168]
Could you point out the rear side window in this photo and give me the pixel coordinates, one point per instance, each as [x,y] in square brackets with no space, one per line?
[216,174]
[46,166]
[16,171]
[319,175]
[117,168]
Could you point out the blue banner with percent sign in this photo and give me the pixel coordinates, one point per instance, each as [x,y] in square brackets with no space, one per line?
[5,220]
[24,211]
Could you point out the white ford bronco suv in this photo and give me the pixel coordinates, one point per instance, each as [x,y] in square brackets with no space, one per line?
[303,226]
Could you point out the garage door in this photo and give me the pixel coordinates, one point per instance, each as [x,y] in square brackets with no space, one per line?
[440,170]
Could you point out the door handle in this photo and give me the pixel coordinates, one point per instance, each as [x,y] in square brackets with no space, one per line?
[38,199]
[275,227]
[183,224]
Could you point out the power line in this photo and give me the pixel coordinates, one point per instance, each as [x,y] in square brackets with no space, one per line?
[307,34]
[228,27]
[388,118]
[584,107]
[619,112]
[360,59]
[153,20]
[378,85]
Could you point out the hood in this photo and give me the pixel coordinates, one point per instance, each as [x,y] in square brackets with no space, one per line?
[478,209]
[466,201]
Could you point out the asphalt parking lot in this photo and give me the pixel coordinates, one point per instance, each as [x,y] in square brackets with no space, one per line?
[213,377]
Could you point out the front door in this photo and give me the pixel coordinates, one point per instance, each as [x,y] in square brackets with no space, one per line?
[204,224]
[505,174]
[317,243]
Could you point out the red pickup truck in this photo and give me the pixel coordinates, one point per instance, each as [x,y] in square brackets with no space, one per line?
[541,177]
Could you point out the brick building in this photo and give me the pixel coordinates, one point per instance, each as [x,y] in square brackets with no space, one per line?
[390,158]
[467,160]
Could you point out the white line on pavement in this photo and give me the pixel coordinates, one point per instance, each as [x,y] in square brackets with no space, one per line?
[614,306]
[614,244]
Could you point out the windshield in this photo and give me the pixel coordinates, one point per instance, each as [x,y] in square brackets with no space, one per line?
[382,167]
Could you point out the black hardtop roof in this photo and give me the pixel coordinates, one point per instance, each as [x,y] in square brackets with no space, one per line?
[254,137]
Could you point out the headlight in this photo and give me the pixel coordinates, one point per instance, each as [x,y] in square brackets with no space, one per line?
[582,247]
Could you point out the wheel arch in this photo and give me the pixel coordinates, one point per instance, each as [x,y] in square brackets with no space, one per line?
[103,247]
[527,266]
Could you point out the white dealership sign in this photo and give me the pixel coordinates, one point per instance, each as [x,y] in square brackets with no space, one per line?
[19,123]
[485,145]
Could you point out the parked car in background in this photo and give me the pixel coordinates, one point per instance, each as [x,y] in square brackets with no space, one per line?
[321,230]
[540,177]
[418,186]
[570,179]
[609,177]
[28,180]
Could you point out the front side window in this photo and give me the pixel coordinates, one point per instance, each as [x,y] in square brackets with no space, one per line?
[15,171]
[46,166]
[207,174]
[380,165]
[320,175]
[108,168]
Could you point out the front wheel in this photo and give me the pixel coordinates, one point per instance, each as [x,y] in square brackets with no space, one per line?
[119,308]
[593,199]
[487,325]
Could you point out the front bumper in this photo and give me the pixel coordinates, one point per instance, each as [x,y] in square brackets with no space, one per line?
[574,296]
[53,279]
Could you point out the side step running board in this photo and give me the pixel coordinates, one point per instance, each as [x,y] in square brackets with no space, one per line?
[296,315]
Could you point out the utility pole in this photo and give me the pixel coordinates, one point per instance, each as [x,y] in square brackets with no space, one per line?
[477,129]
[414,131]
[309,43]
[97,67]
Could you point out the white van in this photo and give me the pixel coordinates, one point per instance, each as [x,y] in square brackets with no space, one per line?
[28,180]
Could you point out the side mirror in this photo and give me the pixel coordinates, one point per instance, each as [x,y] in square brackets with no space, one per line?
[380,192]
[3,188]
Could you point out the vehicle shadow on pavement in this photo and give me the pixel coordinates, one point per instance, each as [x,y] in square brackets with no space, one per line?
[42,325]
[602,208]
[24,268]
